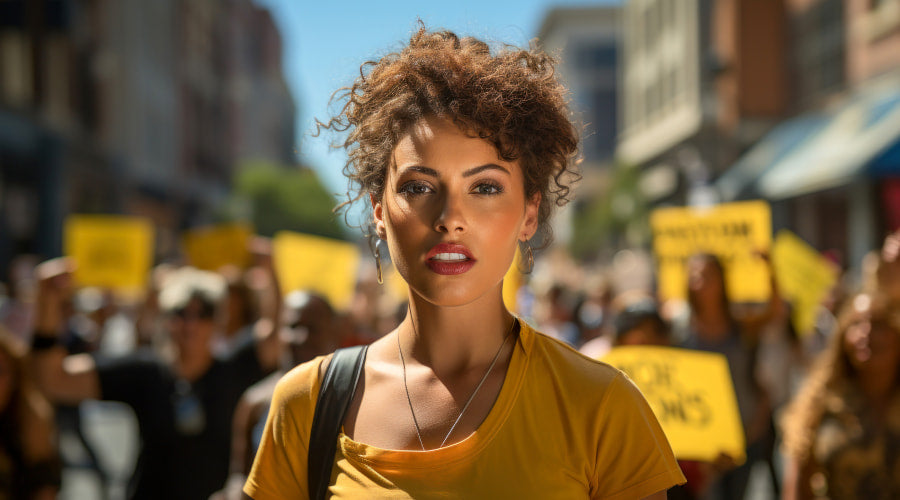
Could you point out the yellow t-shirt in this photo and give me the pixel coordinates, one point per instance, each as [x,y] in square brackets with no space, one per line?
[563,426]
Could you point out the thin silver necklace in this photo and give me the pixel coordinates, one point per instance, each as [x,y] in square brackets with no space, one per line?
[471,397]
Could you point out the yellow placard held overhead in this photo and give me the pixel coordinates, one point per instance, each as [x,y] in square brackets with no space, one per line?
[324,265]
[110,251]
[692,395]
[213,247]
[731,231]
[804,277]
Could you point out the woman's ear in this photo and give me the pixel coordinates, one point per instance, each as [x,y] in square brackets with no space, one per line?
[532,211]
[378,216]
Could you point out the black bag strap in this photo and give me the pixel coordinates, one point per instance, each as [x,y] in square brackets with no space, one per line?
[335,394]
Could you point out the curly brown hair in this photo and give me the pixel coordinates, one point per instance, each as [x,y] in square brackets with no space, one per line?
[509,97]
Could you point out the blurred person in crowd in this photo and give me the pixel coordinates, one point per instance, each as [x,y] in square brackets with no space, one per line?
[29,461]
[841,433]
[84,315]
[638,322]
[240,310]
[462,151]
[592,313]
[623,304]
[712,327]
[184,405]
[17,311]
[554,315]
[308,329]
[149,324]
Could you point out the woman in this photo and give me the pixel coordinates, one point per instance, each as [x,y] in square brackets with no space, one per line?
[842,431]
[29,461]
[462,153]
[712,327]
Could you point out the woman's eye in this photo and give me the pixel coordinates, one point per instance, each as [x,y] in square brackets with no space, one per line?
[414,188]
[488,188]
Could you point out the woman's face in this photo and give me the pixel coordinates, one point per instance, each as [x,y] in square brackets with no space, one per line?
[872,344]
[192,328]
[704,279]
[452,213]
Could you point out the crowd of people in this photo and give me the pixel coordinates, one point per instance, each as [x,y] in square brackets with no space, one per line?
[207,349]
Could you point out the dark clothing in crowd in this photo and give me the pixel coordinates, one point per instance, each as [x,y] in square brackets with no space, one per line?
[185,427]
[19,479]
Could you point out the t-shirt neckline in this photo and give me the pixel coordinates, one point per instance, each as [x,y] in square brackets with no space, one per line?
[381,458]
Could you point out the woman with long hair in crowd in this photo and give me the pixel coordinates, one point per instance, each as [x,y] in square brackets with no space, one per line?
[29,461]
[462,151]
[841,433]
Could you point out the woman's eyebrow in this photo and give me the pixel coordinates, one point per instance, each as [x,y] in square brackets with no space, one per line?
[422,170]
[482,168]
[468,173]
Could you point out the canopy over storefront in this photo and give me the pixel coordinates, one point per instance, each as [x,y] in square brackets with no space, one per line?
[856,139]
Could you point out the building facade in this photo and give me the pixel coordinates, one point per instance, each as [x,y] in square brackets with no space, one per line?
[132,107]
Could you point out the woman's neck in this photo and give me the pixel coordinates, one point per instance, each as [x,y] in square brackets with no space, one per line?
[454,339]
[192,367]
[711,322]
[877,388]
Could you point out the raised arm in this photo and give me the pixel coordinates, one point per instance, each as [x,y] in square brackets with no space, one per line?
[62,378]
[268,347]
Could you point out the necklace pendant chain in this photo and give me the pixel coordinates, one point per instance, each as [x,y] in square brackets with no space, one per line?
[468,401]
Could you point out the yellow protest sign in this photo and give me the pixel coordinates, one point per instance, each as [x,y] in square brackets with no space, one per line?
[692,395]
[212,247]
[325,265]
[110,251]
[804,277]
[732,231]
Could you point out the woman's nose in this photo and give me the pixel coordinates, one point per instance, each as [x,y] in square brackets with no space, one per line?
[451,217]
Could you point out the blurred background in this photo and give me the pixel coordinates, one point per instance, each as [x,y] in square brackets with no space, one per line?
[182,112]
[199,113]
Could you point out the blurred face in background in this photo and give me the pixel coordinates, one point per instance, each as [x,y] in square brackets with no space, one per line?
[306,320]
[871,343]
[705,280]
[192,327]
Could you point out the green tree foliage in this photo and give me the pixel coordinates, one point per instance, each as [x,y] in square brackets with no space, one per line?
[615,219]
[286,198]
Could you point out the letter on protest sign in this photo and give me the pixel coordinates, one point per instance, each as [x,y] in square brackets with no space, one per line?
[110,251]
[731,231]
[804,277]
[327,266]
[691,394]
[212,247]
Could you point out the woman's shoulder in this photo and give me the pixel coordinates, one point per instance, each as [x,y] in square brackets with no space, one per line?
[566,361]
[302,381]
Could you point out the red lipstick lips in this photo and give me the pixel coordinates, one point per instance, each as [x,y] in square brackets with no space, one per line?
[449,259]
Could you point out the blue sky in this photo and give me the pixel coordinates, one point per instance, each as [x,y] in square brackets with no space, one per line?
[325,41]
